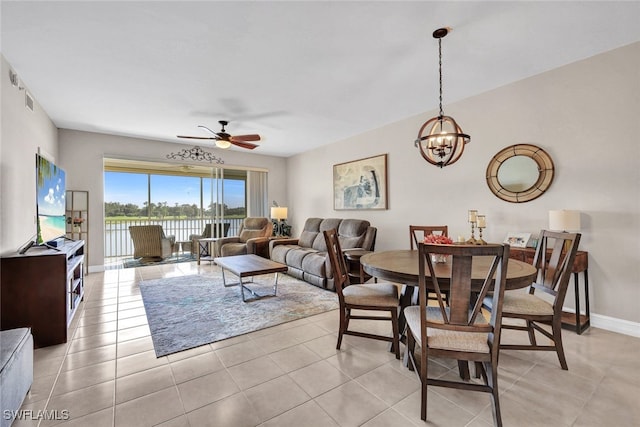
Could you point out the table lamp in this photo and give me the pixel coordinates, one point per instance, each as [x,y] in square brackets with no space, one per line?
[279,213]
[564,220]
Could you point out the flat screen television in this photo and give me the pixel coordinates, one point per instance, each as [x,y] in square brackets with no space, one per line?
[50,201]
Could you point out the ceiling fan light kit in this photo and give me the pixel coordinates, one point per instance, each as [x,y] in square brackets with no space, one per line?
[225,140]
[440,139]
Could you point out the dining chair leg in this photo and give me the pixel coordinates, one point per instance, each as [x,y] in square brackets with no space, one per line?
[492,381]
[557,340]
[409,351]
[342,328]
[396,335]
[423,380]
[479,370]
[531,332]
[463,368]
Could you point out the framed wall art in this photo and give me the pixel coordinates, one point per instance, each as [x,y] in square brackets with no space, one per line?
[360,184]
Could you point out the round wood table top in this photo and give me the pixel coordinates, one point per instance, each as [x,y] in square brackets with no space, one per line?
[401,266]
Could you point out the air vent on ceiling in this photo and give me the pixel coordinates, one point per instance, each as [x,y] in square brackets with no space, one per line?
[28,101]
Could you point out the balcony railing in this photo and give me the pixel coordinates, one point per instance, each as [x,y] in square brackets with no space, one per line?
[118,243]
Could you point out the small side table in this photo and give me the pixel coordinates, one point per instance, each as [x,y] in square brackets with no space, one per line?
[205,250]
[356,272]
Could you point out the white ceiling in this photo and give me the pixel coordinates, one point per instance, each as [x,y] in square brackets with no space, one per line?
[301,74]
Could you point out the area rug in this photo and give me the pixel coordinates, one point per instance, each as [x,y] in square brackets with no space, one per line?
[140,262]
[190,311]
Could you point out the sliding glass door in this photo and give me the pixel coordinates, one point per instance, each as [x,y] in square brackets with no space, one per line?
[181,198]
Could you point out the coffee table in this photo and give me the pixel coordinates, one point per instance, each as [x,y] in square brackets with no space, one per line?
[249,266]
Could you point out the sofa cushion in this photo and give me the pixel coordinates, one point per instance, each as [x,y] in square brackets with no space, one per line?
[307,238]
[309,232]
[351,233]
[231,249]
[316,264]
[326,224]
[295,256]
[279,253]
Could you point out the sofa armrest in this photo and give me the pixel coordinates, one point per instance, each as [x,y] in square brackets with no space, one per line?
[278,241]
[369,242]
[258,246]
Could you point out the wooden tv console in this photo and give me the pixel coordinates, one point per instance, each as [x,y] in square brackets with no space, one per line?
[42,289]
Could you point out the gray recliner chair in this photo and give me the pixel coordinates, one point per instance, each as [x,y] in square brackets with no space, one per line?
[253,238]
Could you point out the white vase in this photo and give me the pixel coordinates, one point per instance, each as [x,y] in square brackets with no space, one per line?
[77,229]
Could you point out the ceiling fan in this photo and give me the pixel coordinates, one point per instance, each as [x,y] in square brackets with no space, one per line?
[224,140]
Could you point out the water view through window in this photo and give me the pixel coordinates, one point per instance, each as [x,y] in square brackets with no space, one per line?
[183,201]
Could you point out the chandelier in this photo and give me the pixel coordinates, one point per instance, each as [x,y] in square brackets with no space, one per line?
[440,139]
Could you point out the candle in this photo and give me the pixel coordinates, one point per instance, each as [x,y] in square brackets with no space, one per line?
[473,215]
[482,221]
[460,239]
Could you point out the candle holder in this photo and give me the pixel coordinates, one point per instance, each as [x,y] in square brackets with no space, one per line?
[480,241]
[472,240]
[482,223]
[473,218]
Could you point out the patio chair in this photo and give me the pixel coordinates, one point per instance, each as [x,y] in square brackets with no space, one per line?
[220,230]
[150,242]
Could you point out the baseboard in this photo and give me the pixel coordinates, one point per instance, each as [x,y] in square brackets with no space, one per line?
[612,324]
[95,268]
[616,325]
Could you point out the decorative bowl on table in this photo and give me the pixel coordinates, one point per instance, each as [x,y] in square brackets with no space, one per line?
[438,239]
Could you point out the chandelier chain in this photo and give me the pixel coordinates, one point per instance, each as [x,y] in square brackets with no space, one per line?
[440,72]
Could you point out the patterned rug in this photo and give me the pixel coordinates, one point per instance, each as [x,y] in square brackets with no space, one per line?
[140,262]
[190,311]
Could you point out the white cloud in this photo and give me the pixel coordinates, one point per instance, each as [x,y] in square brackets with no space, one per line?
[50,197]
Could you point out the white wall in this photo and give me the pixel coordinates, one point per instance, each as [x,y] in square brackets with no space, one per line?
[23,131]
[82,154]
[585,115]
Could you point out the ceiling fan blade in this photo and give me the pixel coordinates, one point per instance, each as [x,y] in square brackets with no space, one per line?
[247,145]
[204,127]
[253,137]
[196,137]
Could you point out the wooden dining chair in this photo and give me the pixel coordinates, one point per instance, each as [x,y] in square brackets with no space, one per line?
[369,296]
[458,330]
[417,233]
[554,258]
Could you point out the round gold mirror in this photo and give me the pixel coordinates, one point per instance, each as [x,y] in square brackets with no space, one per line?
[520,173]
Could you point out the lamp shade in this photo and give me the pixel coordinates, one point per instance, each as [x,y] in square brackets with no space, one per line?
[279,212]
[564,220]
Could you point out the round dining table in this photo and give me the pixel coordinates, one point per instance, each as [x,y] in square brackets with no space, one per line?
[401,266]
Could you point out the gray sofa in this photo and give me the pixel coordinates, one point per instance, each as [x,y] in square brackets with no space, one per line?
[307,257]
[16,371]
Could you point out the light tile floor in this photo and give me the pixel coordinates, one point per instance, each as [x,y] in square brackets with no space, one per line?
[292,375]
